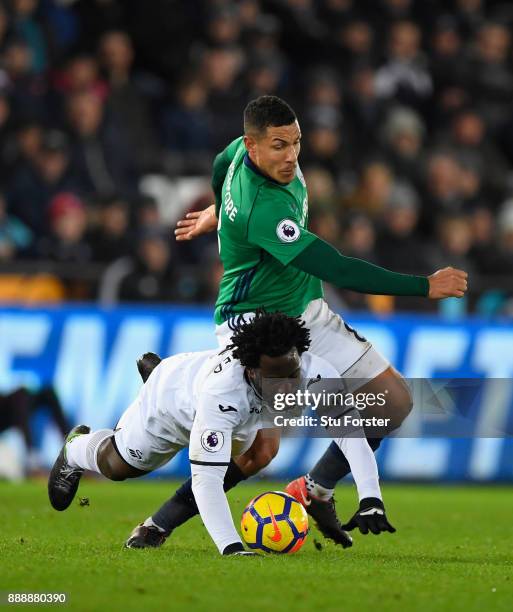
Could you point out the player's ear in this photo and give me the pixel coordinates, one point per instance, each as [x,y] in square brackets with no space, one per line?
[251,372]
[250,143]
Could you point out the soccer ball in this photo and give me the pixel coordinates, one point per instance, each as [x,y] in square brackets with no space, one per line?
[274,522]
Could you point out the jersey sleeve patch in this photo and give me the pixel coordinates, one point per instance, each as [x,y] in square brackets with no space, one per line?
[288,230]
[212,441]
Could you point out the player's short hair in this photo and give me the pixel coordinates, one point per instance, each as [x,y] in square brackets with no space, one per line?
[267,111]
[273,334]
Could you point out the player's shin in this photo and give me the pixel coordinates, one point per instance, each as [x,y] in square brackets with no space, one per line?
[333,466]
[82,450]
[330,468]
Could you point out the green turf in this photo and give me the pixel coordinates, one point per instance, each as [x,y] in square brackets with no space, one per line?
[452,551]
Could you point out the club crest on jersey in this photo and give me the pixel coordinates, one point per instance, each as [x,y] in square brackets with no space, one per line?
[212,441]
[287,230]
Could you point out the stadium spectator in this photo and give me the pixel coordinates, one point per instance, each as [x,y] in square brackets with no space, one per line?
[405,75]
[21,144]
[27,90]
[15,236]
[264,77]
[403,134]
[111,238]
[220,69]
[66,241]
[492,79]
[154,277]
[322,189]
[28,27]
[455,239]
[470,15]
[399,246]
[39,179]
[102,159]
[81,75]
[372,191]
[443,191]
[324,147]
[125,100]
[323,101]
[486,253]
[447,60]
[365,111]
[147,214]
[223,26]
[358,240]
[187,128]
[469,137]
[354,45]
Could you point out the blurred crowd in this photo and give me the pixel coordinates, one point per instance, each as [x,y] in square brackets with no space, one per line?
[109,108]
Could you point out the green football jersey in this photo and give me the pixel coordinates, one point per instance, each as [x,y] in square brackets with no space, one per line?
[262,227]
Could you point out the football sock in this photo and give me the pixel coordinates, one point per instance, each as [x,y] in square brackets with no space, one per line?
[82,449]
[317,490]
[374,443]
[182,506]
[149,523]
[333,465]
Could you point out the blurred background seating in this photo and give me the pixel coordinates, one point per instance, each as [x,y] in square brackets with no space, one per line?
[111,113]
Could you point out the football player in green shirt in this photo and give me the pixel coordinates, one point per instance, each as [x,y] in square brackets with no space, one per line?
[272,260]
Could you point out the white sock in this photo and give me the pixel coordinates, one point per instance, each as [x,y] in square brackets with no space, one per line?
[150,523]
[81,450]
[317,490]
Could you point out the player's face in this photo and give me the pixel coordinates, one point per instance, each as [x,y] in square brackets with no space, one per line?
[276,152]
[286,366]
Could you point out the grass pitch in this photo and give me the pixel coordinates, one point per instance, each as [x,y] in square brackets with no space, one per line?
[453,551]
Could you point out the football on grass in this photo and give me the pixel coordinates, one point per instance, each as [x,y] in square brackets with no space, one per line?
[274,522]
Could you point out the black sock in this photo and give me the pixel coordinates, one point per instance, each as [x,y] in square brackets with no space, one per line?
[333,465]
[182,506]
[374,443]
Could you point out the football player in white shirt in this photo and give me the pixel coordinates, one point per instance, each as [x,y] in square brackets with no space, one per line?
[212,403]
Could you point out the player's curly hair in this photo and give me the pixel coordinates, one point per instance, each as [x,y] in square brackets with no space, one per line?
[272,334]
[267,111]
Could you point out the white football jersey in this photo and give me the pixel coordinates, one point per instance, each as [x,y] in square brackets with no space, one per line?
[203,401]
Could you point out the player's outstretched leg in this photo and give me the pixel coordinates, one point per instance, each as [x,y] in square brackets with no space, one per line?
[321,507]
[63,480]
[315,489]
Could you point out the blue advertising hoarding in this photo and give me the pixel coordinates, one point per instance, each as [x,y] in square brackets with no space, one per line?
[89,355]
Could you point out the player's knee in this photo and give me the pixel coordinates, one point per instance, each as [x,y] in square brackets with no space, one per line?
[402,404]
[108,463]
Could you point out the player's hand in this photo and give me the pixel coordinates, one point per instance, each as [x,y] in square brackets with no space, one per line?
[448,282]
[196,223]
[370,517]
